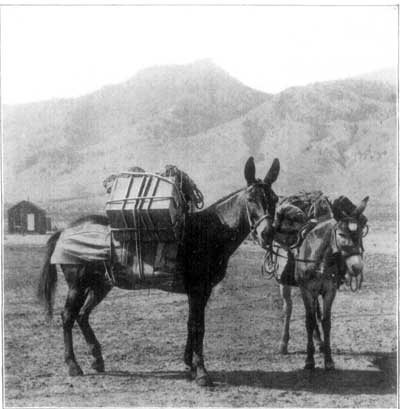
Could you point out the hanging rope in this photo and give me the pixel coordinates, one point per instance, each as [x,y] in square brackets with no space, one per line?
[190,191]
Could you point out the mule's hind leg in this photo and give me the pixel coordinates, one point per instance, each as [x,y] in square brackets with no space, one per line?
[95,294]
[285,291]
[73,303]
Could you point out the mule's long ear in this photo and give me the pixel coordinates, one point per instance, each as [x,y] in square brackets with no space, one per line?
[250,171]
[361,207]
[273,172]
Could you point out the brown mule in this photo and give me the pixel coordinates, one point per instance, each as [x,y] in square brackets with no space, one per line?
[211,236]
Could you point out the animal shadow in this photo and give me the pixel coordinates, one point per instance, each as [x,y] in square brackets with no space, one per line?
[342,381]
[173,375]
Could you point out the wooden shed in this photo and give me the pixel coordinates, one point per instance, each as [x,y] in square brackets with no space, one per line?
[25,217]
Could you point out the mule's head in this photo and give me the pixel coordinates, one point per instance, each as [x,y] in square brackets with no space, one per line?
[351,228]
[261,201]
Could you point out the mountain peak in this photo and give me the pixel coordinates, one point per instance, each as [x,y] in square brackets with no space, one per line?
[189,71]
[206,62]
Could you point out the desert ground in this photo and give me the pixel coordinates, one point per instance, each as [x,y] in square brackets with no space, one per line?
[143,335]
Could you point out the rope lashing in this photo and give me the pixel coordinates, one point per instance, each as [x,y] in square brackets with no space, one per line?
[187,186]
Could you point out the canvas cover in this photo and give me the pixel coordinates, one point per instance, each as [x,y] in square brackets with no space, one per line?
[82,243]
[91,242]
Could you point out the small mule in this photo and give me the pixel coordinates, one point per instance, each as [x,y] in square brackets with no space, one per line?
[331,250]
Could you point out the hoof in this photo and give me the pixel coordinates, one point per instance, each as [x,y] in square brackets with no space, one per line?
[190,372]
[98,365]
[309,366]
[204,381]
[329,365]
[75,371]
[283,349]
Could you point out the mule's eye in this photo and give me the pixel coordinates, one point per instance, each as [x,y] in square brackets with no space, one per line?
[251,200]
[342,235]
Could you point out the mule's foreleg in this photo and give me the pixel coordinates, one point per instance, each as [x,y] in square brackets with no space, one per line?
[328,299]
[94,296]
[311,322]
[285,292]
[188,357]
[317,332]
[196,329]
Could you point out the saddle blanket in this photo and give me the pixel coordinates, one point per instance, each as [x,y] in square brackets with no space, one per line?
[82,243]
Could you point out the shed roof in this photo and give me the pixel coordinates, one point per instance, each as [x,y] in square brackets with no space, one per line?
[26,203]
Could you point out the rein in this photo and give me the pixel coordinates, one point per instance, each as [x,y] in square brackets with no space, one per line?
[296,259]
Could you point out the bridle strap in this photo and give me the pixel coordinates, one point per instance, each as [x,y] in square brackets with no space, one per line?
[262,218]
[253,226]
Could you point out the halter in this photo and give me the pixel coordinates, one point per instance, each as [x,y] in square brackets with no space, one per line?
[253,226]
[354,283]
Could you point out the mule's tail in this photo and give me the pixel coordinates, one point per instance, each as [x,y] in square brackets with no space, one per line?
[48,277]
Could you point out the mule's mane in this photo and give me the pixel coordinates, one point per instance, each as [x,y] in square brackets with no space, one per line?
[226,199]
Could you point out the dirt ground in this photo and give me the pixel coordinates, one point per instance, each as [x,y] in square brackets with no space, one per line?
[143,334]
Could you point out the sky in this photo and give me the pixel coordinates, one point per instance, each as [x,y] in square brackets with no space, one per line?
[67,51]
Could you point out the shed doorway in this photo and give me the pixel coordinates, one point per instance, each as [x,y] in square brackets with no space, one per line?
[31,222]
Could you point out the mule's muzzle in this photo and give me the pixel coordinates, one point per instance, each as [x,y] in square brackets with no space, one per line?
[267,236]
[266,233]
[357,269]
[355,265]
[354,276]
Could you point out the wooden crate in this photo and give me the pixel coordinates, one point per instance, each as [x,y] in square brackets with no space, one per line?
[145,207]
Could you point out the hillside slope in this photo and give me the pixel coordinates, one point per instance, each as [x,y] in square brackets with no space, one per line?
[338,136]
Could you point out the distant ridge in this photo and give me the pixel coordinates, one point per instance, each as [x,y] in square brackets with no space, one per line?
[386,75]
[337,136]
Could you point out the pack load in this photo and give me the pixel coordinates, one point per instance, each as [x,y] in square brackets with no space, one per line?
[147,213]
[298,214]
[145,207]
[150,207]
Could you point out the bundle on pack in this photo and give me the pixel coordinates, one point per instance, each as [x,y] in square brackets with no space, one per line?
[191,193]
[314,205]
[297,214]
